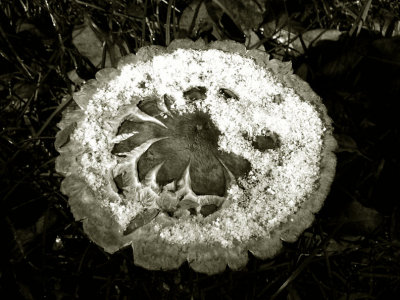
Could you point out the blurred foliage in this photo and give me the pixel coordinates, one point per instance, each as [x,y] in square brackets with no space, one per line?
[353,249]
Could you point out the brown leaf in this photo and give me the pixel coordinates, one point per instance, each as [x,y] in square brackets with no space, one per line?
[75,78]
[388,50]
[312,37]
[253,41]
[359,219]
[355,296]
[24,90]
[341,246]
[25,290]
[225,19]
[299,42]
[195,19]
[225,26]
[386,22]
[247,14]
[62,137]
[91,43]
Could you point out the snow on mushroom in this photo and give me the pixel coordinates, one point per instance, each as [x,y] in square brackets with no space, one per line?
[196,152]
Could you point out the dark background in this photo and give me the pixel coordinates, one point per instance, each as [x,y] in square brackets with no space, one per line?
[352,251]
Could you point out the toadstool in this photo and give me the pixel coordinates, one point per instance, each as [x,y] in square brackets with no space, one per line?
[196,152]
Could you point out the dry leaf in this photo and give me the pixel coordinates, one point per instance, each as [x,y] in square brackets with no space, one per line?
[388,50]
[90,43]
[75,78]
[224,19]
[248,14]
[253,41]
[64,135]
[28,234]
[356,296]
[312,37]
[360,220]
[299,42]
[341,246]
[386,22]
[195,19]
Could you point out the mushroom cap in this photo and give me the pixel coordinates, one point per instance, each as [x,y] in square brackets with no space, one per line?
[196,152]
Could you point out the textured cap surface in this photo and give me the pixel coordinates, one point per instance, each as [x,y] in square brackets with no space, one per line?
[196,152]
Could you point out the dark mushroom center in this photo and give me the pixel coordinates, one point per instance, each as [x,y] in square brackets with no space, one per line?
[190,139]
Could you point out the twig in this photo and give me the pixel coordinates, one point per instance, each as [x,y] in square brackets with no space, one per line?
[11,191]
[168,25]
[144,24]
[305,263]
[19,60]
[174,20]
[28,123]
[55,25]
[361,18]
[34,98]
[55,112]
[106,12]
[173,6]
[25,7]
[37,135]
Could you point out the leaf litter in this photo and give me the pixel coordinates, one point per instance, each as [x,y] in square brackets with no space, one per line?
[356,75]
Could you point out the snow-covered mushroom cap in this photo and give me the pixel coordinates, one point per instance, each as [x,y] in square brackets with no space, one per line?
[196,152]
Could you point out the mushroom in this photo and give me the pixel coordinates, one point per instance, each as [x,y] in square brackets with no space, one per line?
[185,154]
